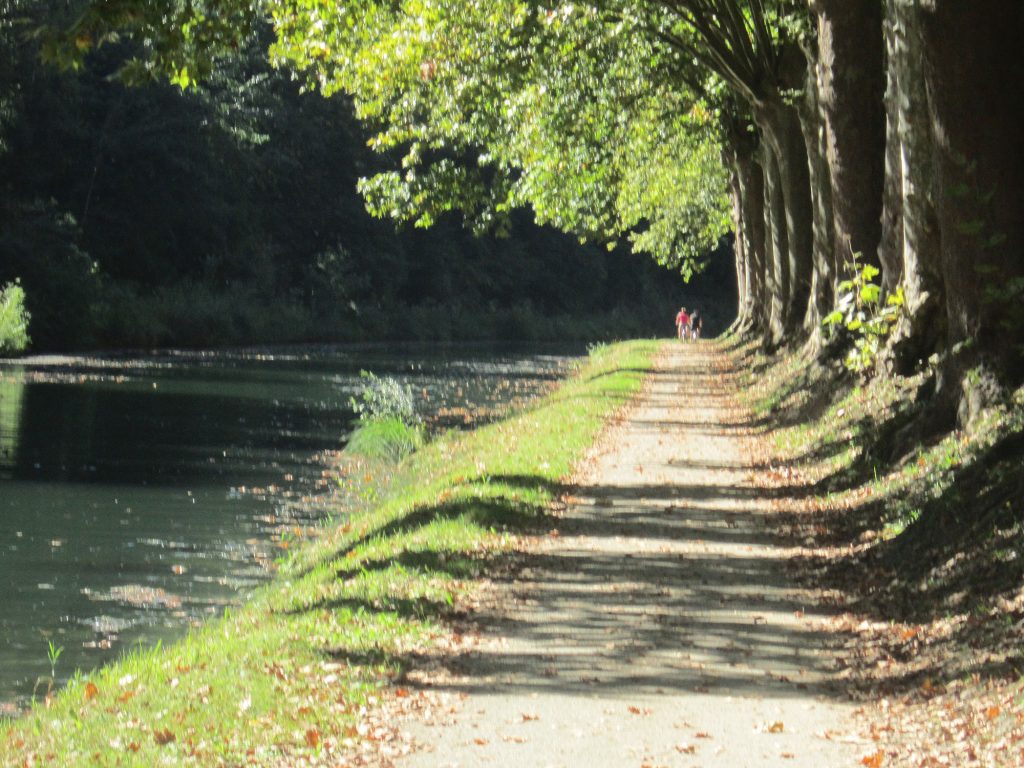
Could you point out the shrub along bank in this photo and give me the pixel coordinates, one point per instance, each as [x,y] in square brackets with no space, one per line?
[287,678]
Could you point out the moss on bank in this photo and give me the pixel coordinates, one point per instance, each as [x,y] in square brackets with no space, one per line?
[291,677]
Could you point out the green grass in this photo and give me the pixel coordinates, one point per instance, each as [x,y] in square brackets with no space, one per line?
[289,677]
[388,439]
[14,319]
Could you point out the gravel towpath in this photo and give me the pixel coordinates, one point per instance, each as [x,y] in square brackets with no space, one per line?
[655,626]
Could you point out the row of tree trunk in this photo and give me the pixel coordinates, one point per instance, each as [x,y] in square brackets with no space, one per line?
[904,147]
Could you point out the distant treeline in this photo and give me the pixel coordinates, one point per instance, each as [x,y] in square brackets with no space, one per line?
[141,216]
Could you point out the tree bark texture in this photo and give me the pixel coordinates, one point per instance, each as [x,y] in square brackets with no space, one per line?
[744,297]
[975,88]
[911,191]
[922,279]
[776,249]
[822,288]
[790,183]
[852,81]
[750,181]
[890,246]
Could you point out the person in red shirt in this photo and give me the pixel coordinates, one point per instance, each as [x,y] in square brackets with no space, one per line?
[682,324]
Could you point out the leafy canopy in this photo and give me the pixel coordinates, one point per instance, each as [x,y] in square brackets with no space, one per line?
[597,115]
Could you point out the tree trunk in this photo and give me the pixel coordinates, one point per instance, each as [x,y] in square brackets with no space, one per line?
[890,246]
[789,174]
[750,182]
[922,329]
[822,288]
[974,74]
[851,73]
[744,298]
[776,249]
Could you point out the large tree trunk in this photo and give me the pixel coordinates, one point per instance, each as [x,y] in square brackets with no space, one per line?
[974,74]
[750,182]
[923,327]
[742,258]
[851,73]
[890,246]
[776,249]
[822,289]
[790,180]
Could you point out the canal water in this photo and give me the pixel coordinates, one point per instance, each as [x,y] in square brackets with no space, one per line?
[140,495]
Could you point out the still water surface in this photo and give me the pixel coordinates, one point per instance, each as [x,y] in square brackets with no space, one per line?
[139,495]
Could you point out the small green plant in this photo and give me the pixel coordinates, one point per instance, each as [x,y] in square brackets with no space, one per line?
[14,319]
[384,398]
[53,653]
[389,427]
[859,309]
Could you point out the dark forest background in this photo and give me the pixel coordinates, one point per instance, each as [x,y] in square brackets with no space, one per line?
[143,216]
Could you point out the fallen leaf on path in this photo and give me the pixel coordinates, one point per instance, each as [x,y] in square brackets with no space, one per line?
[529,716]
[787,755]
[702,735]
[164,737]
[686,749]
[480,742]
[776,727]
[638,711]
[873,761]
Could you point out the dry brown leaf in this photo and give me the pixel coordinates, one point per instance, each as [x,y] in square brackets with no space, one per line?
[480,742]
[312,738]
[874,760]
[776,727]
[686,749]
[166,736]
[91,691]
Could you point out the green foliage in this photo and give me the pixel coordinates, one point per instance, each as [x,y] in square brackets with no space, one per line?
[53,653]
[14,319]
[384,398]
[385,438]
[570,110]
[228,214]
[859,309]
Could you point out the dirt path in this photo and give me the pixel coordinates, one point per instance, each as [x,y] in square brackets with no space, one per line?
[657,627]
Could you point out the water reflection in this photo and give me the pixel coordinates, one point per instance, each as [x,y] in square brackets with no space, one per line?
[140,495]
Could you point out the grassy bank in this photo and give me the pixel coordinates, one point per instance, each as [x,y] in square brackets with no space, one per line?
[917,537]
[297,675]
